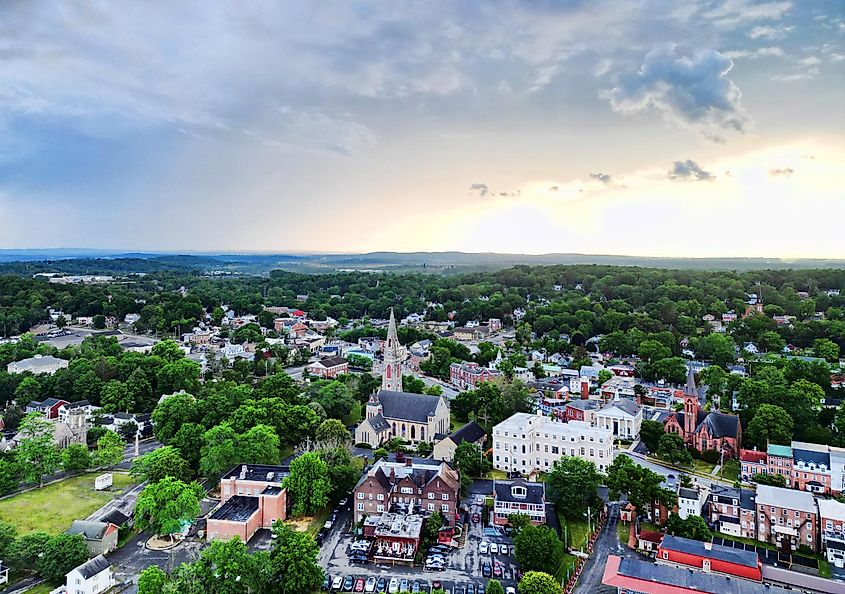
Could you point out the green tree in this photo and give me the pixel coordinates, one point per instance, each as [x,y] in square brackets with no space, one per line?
[168,350]
[412,384]
[99,322]
[151,580]
[770,424]
[573,486]
[171,413]
[332,433]
[653,350]
[773,480]
[62,553]
[75,458]
[25,552]
[671,448]
[8,475]
[495,587]
[164,507]
[28,390]
[293,561]
[308,484]
[638,483]
[826,349]
[160,463]
[115,396]
[189,440]
[182,374]
[538,582]
[219,451]
[259,445]
[280,385]
[518,522]
[8,533]
[537,548]
[650,434]
[109,449]
[36,454]
[470,459]
[692,526]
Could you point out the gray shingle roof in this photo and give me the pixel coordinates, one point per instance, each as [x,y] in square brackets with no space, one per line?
[406,406]
[93,566]
[720,552]
[89,530]
[811,457]
[692,580]
[720,424]
[535,492]
[379,424]
[470,432]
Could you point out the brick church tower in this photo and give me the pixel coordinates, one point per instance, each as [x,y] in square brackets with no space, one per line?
[392,378]
[690,406]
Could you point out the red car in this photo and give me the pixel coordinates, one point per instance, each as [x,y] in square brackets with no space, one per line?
[436,585]
[497,570]
[359,585]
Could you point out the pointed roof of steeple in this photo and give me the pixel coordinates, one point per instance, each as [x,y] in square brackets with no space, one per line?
[690,388]
[392,337]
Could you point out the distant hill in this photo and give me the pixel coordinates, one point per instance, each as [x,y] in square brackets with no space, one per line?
[81,261]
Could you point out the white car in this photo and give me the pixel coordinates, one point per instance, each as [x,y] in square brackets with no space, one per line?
[503,549]
[483,548]
[337,583]
[494,548]
[510,590]
[394,586]
[370,586]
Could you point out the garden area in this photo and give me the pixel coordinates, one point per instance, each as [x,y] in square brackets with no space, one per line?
[54,507]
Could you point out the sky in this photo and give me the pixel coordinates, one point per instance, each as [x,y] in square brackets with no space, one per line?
[645,127]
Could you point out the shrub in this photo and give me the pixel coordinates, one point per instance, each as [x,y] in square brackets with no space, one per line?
[711,456]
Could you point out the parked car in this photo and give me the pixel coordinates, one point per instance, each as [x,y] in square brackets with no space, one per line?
[486,571]
[470,589]
[503,549]
[348,583]
[476,518]
[326,583]
[403,585]
[494,548]
[359,585]
[393,588]
[480,588]
[370,586]
[510,590]
[381,585]
[436,585]
[343,502]
[337,583]
[484,547]
[415,588]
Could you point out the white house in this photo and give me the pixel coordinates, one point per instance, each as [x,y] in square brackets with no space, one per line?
[690,502]
[93,576]
[622,417]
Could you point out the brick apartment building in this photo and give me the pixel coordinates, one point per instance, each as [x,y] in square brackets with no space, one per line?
[467,375]
[412,486]
[787,518]
[329,367]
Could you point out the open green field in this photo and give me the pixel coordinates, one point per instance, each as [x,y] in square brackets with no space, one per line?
[53,508]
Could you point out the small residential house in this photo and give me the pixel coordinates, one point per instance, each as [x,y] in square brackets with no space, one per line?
[472,432]
[519,497]
[49,407]
[100,537]
[832,526]
[92,577]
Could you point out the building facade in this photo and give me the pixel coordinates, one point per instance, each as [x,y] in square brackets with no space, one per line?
[251,497]
[467,375]
[787,518]
[519,497]
[528,443]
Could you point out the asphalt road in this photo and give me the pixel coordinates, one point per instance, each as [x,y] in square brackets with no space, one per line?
[144,447]
[666,471]
[606,544]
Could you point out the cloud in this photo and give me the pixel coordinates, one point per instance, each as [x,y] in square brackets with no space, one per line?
[689,170]
[808,74]
[604,178]
[785,172]
[810,61]
[690,90]
[482,189]
[769,32]
[762,52]
[736,12]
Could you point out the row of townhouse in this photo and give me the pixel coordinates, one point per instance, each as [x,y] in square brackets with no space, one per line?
[786,518]
[467,375]
[804,466]
[530,443]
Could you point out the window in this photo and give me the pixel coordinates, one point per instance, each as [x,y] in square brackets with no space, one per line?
[380,496]
[360,507]
[445,497]
[380,508]
[431,495]
[445,508]
[430,507]
[665,554]
[360,495]
[406,490]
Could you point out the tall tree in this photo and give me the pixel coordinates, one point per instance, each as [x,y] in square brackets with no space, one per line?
[36,452]
[62,553]
[259,445]
[770,424]
[538,548]
[573,486]
[110,449]
[293,561]
[160,463]
[165,506]
[308,483]
[538,582]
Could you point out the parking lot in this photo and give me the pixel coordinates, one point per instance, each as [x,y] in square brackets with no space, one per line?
[463,565]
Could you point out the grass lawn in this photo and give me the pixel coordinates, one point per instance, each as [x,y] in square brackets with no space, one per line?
[456,424]
[703,467]
[53,508]
[623,530]
[499,475]
[730,470]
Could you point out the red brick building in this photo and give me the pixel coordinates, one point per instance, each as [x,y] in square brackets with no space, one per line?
[467,375]
[709,557]
[413,486]
[704,431]
[787,518]
[329,367]
[251,497]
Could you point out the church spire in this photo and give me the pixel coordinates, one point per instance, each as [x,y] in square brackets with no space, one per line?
[392,377]
[690,388]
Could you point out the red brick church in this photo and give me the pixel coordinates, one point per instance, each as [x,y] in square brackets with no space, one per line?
[704,431]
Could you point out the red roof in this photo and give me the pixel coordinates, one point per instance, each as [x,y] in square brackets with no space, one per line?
[753,456]
[648,535]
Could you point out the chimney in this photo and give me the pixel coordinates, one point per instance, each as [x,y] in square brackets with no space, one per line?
[708,546]
[409,461]
[585,389]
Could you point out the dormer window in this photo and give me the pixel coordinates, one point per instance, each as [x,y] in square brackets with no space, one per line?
[519,492]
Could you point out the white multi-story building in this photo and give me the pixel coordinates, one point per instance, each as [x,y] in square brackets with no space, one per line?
[528,443]
[623,417]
